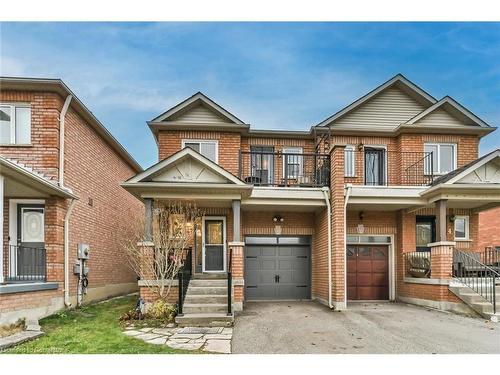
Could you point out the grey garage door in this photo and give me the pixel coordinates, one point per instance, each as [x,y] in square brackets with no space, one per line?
[277,268]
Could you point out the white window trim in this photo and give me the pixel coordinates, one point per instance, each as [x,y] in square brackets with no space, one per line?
[351,149]
[13,107]
[294,150]
[206,141]
[438,145]
[467,223]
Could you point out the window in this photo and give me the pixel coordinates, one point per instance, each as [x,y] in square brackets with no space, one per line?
[292,162]
[349,162]
[208,149]
[443,157]
[461,227]
[15,124]
[262,164]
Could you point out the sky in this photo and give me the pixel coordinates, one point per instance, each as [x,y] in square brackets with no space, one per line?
[270,75]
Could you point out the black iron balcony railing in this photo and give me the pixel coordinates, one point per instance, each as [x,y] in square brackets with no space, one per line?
[284,169]
[379,167]
[25,264]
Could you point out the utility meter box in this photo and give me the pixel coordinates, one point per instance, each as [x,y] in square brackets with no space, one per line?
[83,251]
[77,269]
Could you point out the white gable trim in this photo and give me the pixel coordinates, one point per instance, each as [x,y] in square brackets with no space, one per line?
[186,152]
[467,171]
[207,101]
[371,94]
[454,104]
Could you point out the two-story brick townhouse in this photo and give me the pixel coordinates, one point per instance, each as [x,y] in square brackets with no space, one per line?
[378,202]
[60,175]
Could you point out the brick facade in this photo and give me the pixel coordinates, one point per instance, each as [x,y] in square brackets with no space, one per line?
[489,229]
[93,171]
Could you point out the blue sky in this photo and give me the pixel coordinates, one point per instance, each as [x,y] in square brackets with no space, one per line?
[271,75]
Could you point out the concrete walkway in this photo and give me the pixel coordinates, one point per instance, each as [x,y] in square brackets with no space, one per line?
[308,327]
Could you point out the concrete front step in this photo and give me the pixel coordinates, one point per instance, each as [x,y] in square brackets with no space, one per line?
[477,302]
[205,298]
[208,282]
[207,276]
[201,308]
[212,290]
[205,320]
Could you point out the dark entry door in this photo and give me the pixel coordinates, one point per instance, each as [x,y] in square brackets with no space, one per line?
[214,245]
[367,272]
[262,164]
[374,166]
[30,252]
[425,232]
[274,272]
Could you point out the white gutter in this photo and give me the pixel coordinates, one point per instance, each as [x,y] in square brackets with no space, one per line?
[329,231]
[66,252]
[62,116]
[348,192]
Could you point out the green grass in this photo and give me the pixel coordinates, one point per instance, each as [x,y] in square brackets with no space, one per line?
[92,329]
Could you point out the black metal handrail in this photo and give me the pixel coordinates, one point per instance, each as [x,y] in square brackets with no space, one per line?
[26,264]
[229,282]
[418,264]
[263,168]
[184,276]
[379,167]
[470,271]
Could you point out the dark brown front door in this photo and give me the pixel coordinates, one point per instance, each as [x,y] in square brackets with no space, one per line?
[367,272]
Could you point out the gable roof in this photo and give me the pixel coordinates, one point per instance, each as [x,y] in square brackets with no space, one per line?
[461,172]
[58,86]
[454,108]
[195,100]
[399,80]
[185,153]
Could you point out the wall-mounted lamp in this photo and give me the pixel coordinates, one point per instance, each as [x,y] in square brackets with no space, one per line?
[361,215]
[360,147]
[452,218]
[277,219]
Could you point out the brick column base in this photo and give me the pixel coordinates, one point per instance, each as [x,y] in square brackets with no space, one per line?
[441,259]
[237,271]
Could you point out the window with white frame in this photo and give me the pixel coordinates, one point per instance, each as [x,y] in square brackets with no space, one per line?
[15,123]
[461,224]
[292,162]
[349,162]
[209,149]
[444,158]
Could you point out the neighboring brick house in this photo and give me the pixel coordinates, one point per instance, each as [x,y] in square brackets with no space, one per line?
[489,229]
[385,190]
[60,175]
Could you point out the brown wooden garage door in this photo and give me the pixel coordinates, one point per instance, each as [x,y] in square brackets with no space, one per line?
[367,272]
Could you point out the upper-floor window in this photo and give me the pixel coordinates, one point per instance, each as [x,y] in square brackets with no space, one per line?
[461,225]
[209,149]
[292,163]
[15,123]
[444,157]
[349,161]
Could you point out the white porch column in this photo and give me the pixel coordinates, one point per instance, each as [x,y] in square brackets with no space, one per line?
[1,227]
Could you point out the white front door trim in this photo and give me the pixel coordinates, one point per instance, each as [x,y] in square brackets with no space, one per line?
[210,218]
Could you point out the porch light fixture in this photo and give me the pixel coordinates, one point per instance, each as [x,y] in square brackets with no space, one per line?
[452,218]
[361,215]
[360,147]
[277,219]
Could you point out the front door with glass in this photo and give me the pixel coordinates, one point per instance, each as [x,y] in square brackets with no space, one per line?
[214,244]
[375,166]
[425,232]
[30,253]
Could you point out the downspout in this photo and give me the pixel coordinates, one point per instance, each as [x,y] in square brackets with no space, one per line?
[62,116]
[67,217]
[66,252]
[347,193]
[329,232]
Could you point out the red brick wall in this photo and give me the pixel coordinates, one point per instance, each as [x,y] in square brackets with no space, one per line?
[94,172]
[319,256]
[489,228]
[43,153]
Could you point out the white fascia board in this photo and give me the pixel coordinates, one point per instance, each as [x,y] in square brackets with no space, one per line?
[384,192]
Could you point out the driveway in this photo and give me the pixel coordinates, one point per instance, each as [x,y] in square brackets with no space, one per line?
[308,327]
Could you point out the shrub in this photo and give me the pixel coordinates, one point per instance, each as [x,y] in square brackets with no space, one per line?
[162,310]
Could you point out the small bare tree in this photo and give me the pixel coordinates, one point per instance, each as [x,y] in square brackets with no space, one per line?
[172,233]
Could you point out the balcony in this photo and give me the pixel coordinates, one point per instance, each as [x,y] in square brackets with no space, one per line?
[379,167]
[284,169]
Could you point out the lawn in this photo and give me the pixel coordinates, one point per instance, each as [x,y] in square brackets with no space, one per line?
[92,329]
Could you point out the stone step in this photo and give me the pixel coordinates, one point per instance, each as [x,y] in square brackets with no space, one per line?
[205,298]
[208,276]
[205,320]
[213,290]
[208,283]
[476,302]
[202,308]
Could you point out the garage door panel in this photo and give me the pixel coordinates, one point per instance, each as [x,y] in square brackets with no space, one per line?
[252,263]
[268,264]
[284,252]
[285,264]
[253,251]
[268,251]
[367,272]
